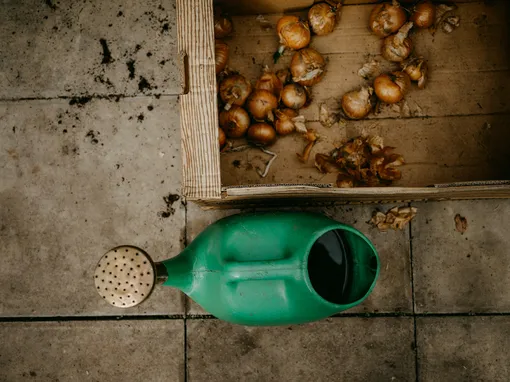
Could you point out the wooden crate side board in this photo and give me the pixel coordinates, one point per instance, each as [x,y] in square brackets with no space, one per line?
[199,115]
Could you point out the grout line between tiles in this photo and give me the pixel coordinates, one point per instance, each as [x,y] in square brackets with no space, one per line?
[413,297]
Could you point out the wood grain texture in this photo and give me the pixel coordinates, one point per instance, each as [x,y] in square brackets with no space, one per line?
[199,115]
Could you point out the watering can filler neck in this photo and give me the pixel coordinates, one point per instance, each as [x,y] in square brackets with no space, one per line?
[255,269]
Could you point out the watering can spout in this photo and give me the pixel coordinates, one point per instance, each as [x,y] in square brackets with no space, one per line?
[257,269]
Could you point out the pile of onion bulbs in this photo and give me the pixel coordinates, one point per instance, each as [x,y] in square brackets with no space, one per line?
[390,22]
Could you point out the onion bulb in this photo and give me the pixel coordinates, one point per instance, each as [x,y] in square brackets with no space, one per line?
[387,18]
[391,88]
[220,55]
[357,104]
[261,134]
[322,18]
[307,67]
[294,33]
[222,139]
[284,124]
[222,24]
[283,75]
[270,81]
[234,121]
[398,47]
[294,96]
[234,90]
[417,69]
[424,14]
[261,104]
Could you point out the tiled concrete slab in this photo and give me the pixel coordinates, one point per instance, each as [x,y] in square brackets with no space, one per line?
[393,290]
[456,272]
[67,48]
[463,349]
[77,181]
[92,351]
[337,349]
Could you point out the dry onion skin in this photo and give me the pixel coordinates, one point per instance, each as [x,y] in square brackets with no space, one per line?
[397,47]
[283,75]
[322,18]
[293,32]
[357,104]
[424,14]
[234,90]
[234,121]
[222,24]
[261,134]
[220,55]
[307,67]
[261,104]
[222,139]
[387,18]
[294,96]
[284,124]
[392,87]
[417,69]
[270,81]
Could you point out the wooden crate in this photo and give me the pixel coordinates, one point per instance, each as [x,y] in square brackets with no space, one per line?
[454,134]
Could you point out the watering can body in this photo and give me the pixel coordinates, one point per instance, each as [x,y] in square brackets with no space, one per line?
[252,269]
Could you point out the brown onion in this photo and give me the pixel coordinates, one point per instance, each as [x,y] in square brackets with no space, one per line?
[222,139]
[270,81]
[222,24]
[234,90]
[261,104]
[294,96]
[391,88]
[322,18]
[357,104]
[398,47]
[261,134]
[387,18]
[417,69]
[307,67]
[284,124]
[294,33]
[234,121]
[220,55]
[424,14]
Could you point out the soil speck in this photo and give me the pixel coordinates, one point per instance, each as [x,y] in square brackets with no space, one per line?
[50,4]
[92,135]
[79,101]
[141,117]
[150,107]
[131,67]
[165,27]
[143,84]
[169,200]
[107,55]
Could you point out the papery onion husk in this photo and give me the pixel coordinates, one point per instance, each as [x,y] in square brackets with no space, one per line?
[387,18]
[261,134]
[293,32]
[357,104]
[417,69]
[322,18]
[294,96]
[284,124]
[397,47]
[234,90]
[392,87]
[220,55]
[325,164]
[234,121]
[222,24]
[424,14]
[307,67]
[261,104]
[283,75]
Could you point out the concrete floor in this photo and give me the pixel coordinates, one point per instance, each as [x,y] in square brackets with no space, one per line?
[89,148]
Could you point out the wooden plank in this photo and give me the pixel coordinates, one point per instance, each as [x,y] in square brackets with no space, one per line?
[262,6]
[475,79]
[437,150]
[199,115]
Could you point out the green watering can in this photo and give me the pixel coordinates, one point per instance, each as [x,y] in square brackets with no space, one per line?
[274,268]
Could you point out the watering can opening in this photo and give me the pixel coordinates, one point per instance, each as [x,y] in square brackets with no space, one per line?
[342,266]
